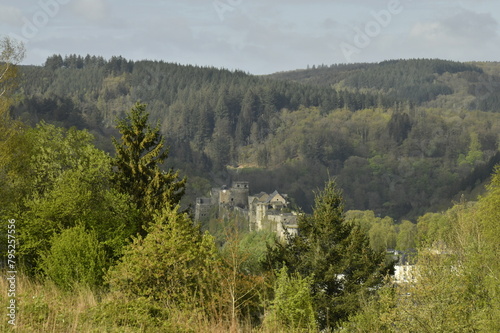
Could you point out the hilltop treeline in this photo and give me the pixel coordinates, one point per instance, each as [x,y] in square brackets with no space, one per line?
[378,128]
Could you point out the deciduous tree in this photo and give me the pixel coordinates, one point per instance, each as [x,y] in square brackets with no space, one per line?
[70,185]
[11,53]
[12,141]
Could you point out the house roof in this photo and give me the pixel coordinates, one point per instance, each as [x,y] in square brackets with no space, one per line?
[275,196]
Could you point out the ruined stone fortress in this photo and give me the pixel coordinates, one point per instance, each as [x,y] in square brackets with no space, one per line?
[263,211]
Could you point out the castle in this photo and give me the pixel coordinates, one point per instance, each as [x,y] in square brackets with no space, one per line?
[263,211]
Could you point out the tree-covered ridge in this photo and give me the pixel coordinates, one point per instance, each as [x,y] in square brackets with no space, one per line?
[169,82]
[397,163]
[377,127]
[416,80]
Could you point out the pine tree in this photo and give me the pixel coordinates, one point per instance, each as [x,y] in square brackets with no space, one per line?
[139,155]
[336,254]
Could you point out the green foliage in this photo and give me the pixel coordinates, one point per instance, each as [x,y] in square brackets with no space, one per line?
[38,309]
[130,315]
[56,150]
[75,257]
[391,132]
[413,79]
[476,241]
[79,197]
[11,53]
[172,265]
[407,235]
[70,185]
[292,308]
[241,278]
[432,228]
[139,155]
[13,145]
[336,254]
[382,235]
[475,154]
[253,245]
[455,286]
[15,174]
[386,130]
[376,315]
[439,299]
[382,232]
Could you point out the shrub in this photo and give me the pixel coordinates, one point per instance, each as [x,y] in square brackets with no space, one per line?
[75,257]
[292,307]
[173,264]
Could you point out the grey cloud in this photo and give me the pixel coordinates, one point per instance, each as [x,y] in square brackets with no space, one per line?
[92,10]
[470,25]
[10,15]
[462,28]
[262,37]
[329,24]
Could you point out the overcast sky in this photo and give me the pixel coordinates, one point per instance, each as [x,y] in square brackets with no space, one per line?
[256,36]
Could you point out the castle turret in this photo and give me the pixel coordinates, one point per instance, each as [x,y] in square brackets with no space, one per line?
[224,196]
[239,194]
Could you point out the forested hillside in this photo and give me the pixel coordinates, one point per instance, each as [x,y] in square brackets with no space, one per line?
[401,137]
[100,241]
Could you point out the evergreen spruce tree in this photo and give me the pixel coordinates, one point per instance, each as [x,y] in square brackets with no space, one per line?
[139,155]
[336,254]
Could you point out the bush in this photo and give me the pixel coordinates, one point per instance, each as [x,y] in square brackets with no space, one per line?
[292,307]
[75,257]
[173,264]
[127,315]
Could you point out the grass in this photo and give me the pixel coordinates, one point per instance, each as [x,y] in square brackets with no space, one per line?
[43,307]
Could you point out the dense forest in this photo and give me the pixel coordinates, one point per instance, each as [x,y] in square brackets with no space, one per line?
[100,159]
[376,128]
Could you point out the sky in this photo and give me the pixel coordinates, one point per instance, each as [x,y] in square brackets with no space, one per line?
[256,36]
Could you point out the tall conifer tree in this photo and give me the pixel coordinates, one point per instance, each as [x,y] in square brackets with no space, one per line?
[336,253]
[139,154]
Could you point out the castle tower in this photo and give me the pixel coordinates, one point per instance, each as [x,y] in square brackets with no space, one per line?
[224,196]
[239,194]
